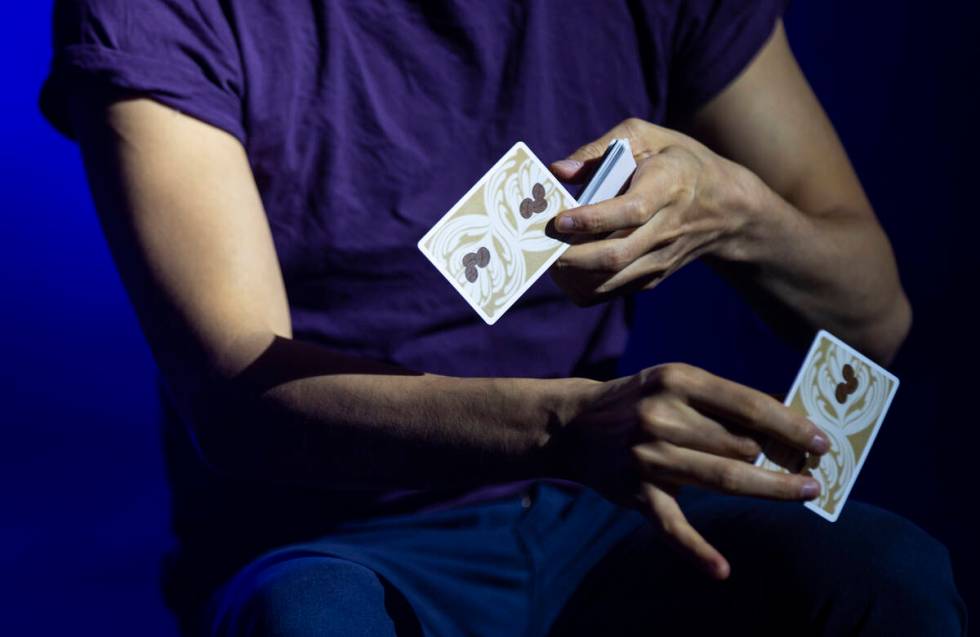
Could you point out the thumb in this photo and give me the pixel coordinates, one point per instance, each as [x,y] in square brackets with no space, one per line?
[580,164]
[683,537]
[594,149]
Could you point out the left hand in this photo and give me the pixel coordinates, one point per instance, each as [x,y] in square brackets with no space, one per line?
[682,202]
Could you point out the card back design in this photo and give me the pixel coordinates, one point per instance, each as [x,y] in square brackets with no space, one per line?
[491,246]
[847,396]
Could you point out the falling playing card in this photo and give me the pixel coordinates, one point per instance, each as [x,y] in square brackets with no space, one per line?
[491,246]
[846,395]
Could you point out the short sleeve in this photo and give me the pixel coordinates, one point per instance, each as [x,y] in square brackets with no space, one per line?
[182,53]
[714,41]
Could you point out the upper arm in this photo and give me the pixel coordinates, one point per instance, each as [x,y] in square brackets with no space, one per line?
[187,230]
[769,121]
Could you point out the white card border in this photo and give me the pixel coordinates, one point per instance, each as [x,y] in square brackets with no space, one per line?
[874,433]
[796,382]
[531,281]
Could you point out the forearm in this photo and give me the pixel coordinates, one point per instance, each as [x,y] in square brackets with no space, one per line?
[833,270]
[305,415]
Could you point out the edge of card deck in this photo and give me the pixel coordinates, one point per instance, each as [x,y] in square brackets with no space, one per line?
[607,181]
[612,174]
[488,319]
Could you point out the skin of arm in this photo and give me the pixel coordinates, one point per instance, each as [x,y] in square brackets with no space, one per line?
[774,206]
[186,227]
[188,233]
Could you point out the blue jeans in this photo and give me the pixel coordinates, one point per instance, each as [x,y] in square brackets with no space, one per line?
[553,561]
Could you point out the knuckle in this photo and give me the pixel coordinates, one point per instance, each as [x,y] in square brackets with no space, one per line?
[805,429]
[747,448]
[655,415]
[628,253]
[637,455]
[674,376]
[669,526]
[694,380]
[661,454]
[660,376]
[613,258]
[668,156]
[647,458]
[665,376]
[795,427]
[728,478]
[585,220]
[791,486]
[650,377]
[757,409]
[633,125]
[677,153]
[636,211]
[683,190]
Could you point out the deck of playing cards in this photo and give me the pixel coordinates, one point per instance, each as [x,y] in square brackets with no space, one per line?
[615,167]
[492,246]
[846,395]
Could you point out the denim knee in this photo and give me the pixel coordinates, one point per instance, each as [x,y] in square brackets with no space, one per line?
[905,576]
[307,596]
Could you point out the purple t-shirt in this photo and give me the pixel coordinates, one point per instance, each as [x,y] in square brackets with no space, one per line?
[364,121]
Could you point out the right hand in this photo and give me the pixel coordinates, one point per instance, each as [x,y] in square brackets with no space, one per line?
[637,439]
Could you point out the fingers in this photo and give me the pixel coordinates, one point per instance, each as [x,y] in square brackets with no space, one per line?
[629,257]
[683,426]
[578,166]
[632,129]
[575,171]
[593,271]
[789,458]
[662,460]
[629,210]
[657,183]
[682,535]
[649,270]
[742,405]
[612,254]
[645,139]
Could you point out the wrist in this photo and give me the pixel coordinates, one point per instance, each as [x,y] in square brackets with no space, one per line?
[747,204]
[563,400]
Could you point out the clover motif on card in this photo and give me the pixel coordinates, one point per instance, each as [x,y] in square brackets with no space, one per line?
[494,243]
[844,397]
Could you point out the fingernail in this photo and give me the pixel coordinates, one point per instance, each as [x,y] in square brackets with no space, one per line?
[567,165]
[565,224]
[820,444]
[810,490]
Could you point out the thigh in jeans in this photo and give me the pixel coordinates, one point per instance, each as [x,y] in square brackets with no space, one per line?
[302,594]
[871,572]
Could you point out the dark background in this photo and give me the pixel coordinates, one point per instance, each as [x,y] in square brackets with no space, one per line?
[83,503]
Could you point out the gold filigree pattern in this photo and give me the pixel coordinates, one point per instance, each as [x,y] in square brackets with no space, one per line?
[490,219]
[844,396]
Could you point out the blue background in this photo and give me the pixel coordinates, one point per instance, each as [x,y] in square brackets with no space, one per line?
[83,503]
